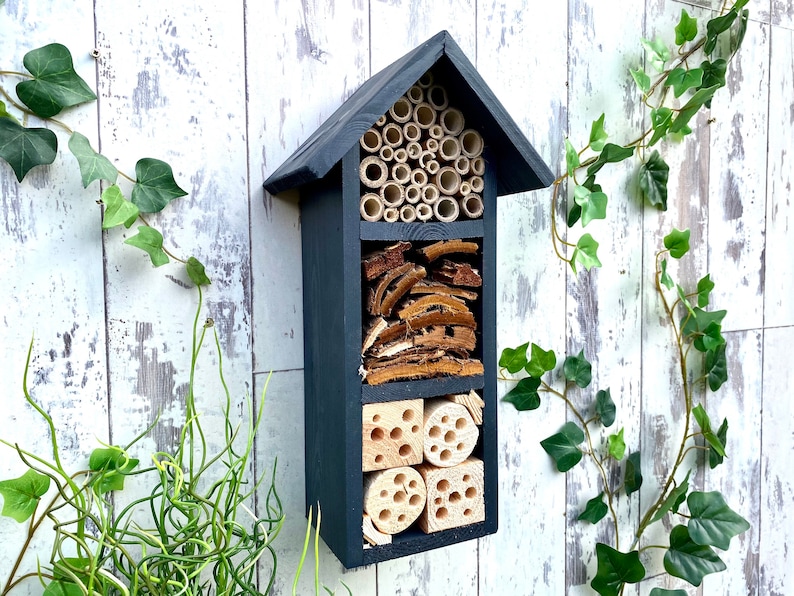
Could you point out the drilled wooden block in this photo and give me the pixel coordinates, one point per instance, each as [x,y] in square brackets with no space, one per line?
[455,496]
[394,498]
[392,434]
[450,434]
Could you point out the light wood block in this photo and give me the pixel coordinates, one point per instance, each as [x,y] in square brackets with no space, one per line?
[473,403]
[392,434]
[394,498]
[455,496]
[450,434]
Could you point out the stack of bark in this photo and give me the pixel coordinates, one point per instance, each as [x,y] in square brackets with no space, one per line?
[417,320]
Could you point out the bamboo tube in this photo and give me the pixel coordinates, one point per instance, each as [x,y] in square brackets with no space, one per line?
[400,155]
[425,80]
[472,206]
[415,94]
[435,132]
[425,157]
[391,214]
[431,145]
[465,188]
[446,209]
[424,212]
[447,180]
[407,213]
[402,110]
[373,171]
[392,135]
[462,164]
[401,172]
[437,97]
[471,143]
[432,166]
[411,131]
[413,193]
[371,141]
[478,166]
[477,183]
[430,193]
[381,121]
[452,121]
[371,207]
[386,153]
[424,115]
[419,177]
[449,148]
[414,150]
[392,193]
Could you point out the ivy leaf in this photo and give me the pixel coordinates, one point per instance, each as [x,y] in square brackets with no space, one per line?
[118,210]
[615,569]
[718,25]
[585,253]
[611,153]
[704,422]
[617,446]
[573,215]
[593,204]
[688,560]
[661,118]
[196,272]
[658,53]
[666,592]
[150,241]
[524,396]
[705,327]
[110,466]
[665,278]
[715,458]
[598,136]
[716,368]
[677,242]
[653,180]
[155,186]
[642,79]
[605,408]
[632,478]
[578,369]
[595,510]
[736,42]
[93,165]
[705,285]
[540,362]
[713,75]
[711,338]
[712,522]
[673,500]
[562,446]
[62,588]
[686,30]
[681,80]
[4,113]
[685,113]
[55,84]
[571,158]
[25,148]
[514,359]
[22,495]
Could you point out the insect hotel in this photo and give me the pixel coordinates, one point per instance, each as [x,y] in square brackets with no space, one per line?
[398,215]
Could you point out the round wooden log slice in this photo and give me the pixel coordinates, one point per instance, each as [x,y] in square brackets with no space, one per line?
[394,498]
[450,434]
[455,496]
[392,434]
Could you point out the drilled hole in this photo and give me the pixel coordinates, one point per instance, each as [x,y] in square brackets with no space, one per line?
[412,484]
[376,418]
[435,432]
[446,455]
[450,436]
[384,494]
[415,428]
[454,497]
[400,496]
[438,501]
[433,448]
[405,450]
[471,492]
[396,434]
[460,423]
[443,485]
[444,419]
[400,479]
[379,459]
[408,415]
[385,515]
[377,434]
[467,512]
[401,518]
[460,447]
[466,478]
[442,513]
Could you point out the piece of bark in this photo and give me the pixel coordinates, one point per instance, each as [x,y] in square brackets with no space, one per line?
[446,247]
[375,329]
[432,302]
[378,263]
[434,287]
[445,365]
[404,329]
[401,287]
[457,274]
[377,297]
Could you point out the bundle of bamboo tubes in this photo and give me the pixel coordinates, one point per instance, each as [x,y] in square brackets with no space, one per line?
[420,161]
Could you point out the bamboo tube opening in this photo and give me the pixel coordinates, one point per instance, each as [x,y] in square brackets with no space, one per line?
[425,157]
[392,135]
[381,121]
[424,115]
[419,176]
[452,121]
[411,131]
[386,153]
[462,164]
[401,155]
[446,209]
[432,166]
[371,141]
[447,180]
[402,110]
[478,166]
[413,193]
[472,206]
[391,214]
[414,150]
[436,132]
[431,145]
[437,97]
[471,143]
[373,171]
[465,188]
[371,207]
[430,194]
[392,193]
[424,212]
[449,148]
[415,94]
[401,172]
[407,213]
[477,183]
[425,80]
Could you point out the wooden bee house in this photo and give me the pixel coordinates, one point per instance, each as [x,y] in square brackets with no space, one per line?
[398,215]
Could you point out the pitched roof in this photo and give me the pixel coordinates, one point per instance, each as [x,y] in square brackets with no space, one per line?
[519,167]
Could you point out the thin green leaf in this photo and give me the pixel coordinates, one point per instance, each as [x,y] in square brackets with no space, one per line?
[595,510]
[563,446]
[705,286]
[718,25]
[514,359]
[578,369]
[118,210]
[617,446]
[653,181]
[710,339]
[686,30]
[524,396]
[611,153]
[716,367]
[598,136]
[736,41]
[673,501]
[712,522]
[93,165]
[4,113]
[571,158]
[642,79]
[661,119]
[22,495]
[196,272]
[155,186]
[692,107]
[681,80]
[615,569]
[540,362]
[605,408]
[689,560]
[699,321]
[573,215]
[665,278]
[632,478]
[60,587]
[715,458]
[677,242]
[585,253]
[25,148]
[658,53]
[150,241]
[704,422]
[55,84]
[593,204]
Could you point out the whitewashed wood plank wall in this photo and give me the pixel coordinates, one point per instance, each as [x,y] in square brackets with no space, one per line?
[226,91]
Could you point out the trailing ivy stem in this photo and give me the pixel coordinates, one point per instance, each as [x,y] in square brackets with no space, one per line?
[555,236]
